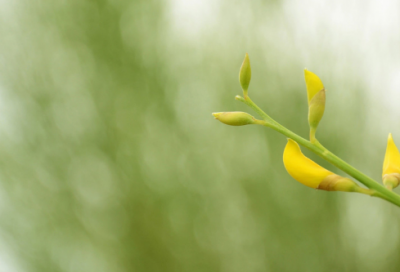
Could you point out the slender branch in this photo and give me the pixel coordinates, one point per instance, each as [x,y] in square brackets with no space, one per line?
[252,105]
[317,148]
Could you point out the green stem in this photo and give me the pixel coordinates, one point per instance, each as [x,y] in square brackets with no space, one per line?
[370,192]
[317,148]
[252,105]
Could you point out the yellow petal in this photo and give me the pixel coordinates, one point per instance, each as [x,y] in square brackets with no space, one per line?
[391,164]
[316,110]
[302,168]
[313,83]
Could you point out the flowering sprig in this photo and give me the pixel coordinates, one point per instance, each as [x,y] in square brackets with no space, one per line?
[302,168]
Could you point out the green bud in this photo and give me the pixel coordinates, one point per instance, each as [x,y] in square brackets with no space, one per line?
[316,110]
[245,73]
[391,181]
[234,118]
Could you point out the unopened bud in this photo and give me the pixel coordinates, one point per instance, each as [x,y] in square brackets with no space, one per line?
[316,101]
[316,110]
[234,118]
[391,165]
[391,180]
[313,83]
[245,73]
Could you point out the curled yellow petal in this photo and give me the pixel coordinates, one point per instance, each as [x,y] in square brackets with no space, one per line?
[313,83]
[391,165]
[313,175]
[302,168]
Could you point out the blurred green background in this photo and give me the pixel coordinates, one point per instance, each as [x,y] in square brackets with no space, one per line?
[110,160]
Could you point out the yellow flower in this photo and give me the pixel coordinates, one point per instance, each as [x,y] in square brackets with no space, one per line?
[316,101]
[391,165]
[313,175]
[313,83]
[302,168]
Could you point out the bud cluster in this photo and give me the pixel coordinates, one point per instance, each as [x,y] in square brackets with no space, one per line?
[296,163]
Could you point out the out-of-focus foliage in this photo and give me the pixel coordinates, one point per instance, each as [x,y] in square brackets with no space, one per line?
[111,161]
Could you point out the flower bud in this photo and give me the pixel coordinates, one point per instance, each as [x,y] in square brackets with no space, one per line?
[313,84]
[245,73]
[316,110]
[391,165]
[313,175]
[234,118]
[316,101]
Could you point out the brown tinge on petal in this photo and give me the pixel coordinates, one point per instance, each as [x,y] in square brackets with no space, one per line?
[337,183]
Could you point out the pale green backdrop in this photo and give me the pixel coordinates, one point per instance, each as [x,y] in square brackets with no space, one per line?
[110,159]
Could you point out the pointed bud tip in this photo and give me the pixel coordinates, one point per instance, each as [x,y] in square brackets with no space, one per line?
[234,118]
[245,73]
[313,84]
[391,162]
[216,114]
[239,98]
[390,140]
[308,72]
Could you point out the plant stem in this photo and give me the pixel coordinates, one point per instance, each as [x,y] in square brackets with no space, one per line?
[317,148]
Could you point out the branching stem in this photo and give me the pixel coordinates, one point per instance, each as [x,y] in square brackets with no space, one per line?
[376,189]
